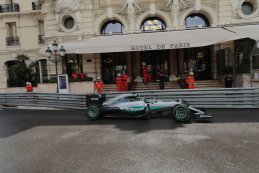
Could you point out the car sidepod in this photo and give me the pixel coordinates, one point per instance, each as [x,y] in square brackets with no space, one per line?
[133,108]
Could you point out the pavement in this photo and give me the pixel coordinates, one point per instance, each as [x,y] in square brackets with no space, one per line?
[64,141]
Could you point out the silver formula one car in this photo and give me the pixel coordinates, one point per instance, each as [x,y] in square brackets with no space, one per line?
[131,105]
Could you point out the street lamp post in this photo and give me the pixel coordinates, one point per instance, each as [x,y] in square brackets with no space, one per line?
[49,54]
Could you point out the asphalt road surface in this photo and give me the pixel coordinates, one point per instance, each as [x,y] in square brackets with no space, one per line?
[49,141]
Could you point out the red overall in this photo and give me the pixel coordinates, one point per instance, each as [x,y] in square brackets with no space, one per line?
[29,88]
[98,85]
[118,83]
[146,76]
[190,81]
[124,84]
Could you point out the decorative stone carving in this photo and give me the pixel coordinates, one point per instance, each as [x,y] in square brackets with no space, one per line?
[180,5]
[236,7]
[72,6]
[197,5]
[100,3]
[65,9]
[176,7]
[211,3]
[130,6]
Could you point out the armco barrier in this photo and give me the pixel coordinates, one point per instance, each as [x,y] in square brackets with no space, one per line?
[200,98]
[207,98]
[66,101]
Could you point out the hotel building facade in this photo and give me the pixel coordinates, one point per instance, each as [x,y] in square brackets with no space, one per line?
[105,37]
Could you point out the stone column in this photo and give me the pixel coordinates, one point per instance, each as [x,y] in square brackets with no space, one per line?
[172,64]
[129,64]
[138,66]
[181,60]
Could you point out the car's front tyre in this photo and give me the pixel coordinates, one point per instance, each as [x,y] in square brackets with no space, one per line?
[181,113]
[93,112]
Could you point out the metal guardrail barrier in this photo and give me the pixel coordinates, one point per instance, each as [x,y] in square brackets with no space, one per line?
[66,101]
[207,98]
[200,98]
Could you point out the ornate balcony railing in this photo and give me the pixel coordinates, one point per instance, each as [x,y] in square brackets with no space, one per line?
[41,39]
[36,5]
[7,8]
[12,41]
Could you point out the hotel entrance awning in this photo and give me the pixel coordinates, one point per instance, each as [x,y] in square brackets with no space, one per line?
[246,31]
[160,40]
[157,40]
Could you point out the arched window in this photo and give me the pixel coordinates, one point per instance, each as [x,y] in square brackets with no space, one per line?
[153,24]
[196,20]
[112,27]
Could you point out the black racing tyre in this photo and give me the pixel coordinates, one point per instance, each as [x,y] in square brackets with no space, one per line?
[181,113]
[93,112]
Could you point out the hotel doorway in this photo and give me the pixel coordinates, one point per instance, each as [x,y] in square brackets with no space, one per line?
[198,60]
[155,60]
[112,64]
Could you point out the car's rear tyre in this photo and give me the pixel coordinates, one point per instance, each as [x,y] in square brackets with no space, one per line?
[93,112]
[181,113]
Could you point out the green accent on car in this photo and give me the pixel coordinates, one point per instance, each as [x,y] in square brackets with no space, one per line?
[152,108]
[134,109]
[92,112]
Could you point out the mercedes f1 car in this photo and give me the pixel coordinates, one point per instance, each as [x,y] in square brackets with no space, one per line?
[131,105]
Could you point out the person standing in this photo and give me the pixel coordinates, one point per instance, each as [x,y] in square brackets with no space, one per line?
[118,82]
[124,84]
[29,87]
[146,75]
[228,81]
[190,80]
[182,82]
[162,78]
[98,85]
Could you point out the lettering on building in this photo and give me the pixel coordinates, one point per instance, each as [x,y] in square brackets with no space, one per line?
[160,46]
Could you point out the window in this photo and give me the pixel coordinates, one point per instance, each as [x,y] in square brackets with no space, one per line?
[196,20]
[111,27]
[69,22]
[41,35]
[11,29]
[11,38]
[153,24]
[247,8]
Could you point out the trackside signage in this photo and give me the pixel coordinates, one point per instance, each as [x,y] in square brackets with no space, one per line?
[160,46]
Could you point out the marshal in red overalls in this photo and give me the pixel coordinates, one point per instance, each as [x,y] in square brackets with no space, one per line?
[146,76]
[118,82]
[190,81]
[124,84]
[29,87]
[98,85]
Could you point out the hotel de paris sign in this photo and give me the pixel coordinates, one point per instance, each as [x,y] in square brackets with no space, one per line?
[160,46]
